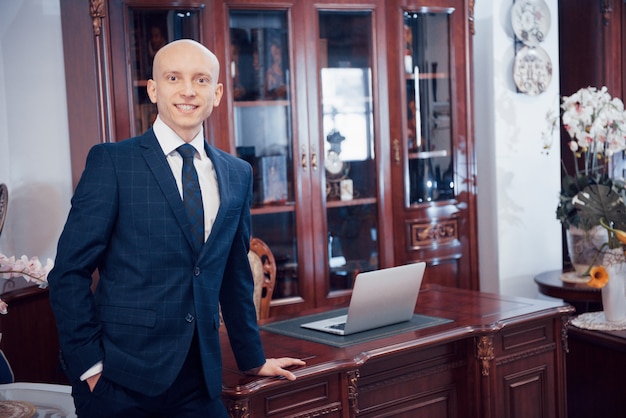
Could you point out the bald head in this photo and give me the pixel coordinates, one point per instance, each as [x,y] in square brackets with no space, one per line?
[184,86]
[183,46]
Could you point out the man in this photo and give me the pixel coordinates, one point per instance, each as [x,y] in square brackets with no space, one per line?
[146,343]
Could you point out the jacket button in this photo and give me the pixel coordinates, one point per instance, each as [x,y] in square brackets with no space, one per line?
[189,318]
[196,271]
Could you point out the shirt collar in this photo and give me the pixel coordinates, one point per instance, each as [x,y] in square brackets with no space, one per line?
[169,140]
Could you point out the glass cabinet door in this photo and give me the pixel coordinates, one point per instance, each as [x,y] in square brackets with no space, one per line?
[432,139]
[426,63]
[347,118]
[261,86]
[149,30]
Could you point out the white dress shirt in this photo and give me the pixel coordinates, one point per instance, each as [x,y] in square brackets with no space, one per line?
[169,141]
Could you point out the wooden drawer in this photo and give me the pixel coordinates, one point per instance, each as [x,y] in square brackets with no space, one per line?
[421,383]
[527,338]
[303,398]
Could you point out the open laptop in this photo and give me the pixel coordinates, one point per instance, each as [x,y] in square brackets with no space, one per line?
[379,298]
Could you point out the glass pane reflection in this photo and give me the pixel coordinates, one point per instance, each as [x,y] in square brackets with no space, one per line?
[347,110]
[150,29]
[429,143]
[260,87]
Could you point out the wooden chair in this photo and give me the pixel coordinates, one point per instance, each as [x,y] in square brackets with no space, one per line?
[4,204]
[263,268]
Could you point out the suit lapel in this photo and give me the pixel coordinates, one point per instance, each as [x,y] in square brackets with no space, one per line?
[154,157]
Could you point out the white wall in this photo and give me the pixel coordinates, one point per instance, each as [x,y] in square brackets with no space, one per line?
[517,184]
[34,140]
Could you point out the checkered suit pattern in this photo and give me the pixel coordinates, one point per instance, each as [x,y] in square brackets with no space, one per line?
[154,292]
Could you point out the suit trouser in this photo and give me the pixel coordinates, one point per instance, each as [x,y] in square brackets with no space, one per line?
[186,398]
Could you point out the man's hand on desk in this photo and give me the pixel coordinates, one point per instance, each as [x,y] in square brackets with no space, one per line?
[276,367]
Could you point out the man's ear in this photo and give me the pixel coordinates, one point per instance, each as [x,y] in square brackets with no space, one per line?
[219,90]
[152,90]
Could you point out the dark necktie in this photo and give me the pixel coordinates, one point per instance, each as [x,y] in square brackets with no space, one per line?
[192,197]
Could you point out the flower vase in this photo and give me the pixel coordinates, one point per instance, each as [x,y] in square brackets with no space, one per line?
[614,293]
[583,246]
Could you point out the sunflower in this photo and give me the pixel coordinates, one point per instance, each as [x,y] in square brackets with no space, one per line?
[599,277]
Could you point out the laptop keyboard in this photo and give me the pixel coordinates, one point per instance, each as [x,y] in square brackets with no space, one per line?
[338,326]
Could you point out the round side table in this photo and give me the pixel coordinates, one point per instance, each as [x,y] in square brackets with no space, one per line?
[582,297]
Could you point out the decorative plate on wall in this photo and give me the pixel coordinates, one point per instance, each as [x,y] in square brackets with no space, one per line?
[531,21]
[532,70]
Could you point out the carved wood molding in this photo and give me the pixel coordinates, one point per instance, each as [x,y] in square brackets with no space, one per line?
[319,412]
[525,354]
[353,390]
[484,352]
[470,17]
[607,11]
[96,10]
[426,234]
[564,338]
[238,409]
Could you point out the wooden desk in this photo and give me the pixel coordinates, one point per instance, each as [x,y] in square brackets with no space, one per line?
[584,298]
[596,365]
[501,356]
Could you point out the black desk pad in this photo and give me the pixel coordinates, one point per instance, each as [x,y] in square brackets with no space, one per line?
[291,328]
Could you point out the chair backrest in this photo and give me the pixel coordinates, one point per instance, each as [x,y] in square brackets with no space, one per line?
[263,268]
[4,204]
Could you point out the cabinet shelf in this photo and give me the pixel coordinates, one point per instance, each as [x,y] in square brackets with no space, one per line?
[428,76]
[260,103]
[424,155]
[432,204]
[353,202]
[270,209]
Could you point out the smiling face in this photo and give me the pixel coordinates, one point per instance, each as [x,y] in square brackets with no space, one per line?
[184,86]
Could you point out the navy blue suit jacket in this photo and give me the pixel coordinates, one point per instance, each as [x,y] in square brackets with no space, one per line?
[128,221]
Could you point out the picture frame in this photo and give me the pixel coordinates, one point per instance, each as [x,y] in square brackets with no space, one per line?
[272,172]
[151,34]
[276,64]
[241,65]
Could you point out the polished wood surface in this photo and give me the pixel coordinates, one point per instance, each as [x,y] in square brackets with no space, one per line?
[583,297]
[499,356]
[596,365]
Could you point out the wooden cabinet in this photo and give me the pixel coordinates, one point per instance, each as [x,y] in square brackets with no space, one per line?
[431,382]
[433,163]
[305,103]
[310,91]
[596,359]
[29,334]
[306,95]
